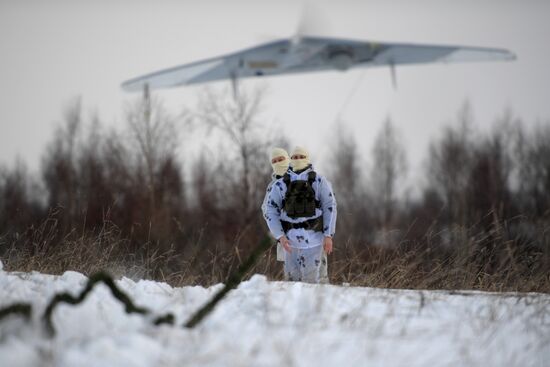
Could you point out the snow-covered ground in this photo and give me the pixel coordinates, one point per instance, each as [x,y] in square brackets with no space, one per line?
[265,323]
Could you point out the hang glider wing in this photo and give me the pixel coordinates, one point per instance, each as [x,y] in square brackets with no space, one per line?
[398,54]
[342,54]
[267,59]
[179,75]
[310,54]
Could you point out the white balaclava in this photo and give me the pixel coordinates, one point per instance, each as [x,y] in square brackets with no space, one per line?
[299,164]
[280,168]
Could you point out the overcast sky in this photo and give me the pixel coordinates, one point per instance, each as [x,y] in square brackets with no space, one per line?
[53,51]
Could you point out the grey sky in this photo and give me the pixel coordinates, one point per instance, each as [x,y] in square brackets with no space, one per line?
[53,51]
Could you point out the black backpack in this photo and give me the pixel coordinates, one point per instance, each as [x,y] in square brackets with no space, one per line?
[299,201]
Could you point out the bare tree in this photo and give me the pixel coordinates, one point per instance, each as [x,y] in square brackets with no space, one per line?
[346,175]
[533,160]
[450,164]
[19,207]
[205,188]
[59,165]
[95,190]
[490,178]
[154,133]
[236,117]
[389,168]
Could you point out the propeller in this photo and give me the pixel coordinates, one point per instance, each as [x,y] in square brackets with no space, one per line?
[312,21]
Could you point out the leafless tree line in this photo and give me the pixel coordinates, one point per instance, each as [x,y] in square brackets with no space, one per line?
[486,201]
[490,189]
[135,179]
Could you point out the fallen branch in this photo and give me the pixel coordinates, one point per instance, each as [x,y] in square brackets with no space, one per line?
[23,309]
[232,282]
[117,293]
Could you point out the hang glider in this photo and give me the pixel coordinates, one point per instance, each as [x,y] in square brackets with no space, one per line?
[310,54]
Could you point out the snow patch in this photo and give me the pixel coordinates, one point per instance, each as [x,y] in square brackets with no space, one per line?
[264,323]
[257,281]
[18,353]
[74,278]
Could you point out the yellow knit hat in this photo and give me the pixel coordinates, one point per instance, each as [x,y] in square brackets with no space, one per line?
[280,167]
[300,164]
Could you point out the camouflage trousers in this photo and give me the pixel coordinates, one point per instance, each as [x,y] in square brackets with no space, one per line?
[306,265]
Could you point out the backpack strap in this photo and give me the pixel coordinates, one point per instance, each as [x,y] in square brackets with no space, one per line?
[311,177]
[286,181]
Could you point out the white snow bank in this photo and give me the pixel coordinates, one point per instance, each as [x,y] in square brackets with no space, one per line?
[266,323]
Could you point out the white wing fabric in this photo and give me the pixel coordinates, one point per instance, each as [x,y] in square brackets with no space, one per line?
[309,54]
[176,76]
[397,54]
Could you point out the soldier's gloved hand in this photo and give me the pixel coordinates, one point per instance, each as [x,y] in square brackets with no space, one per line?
[327,244]
[285,243]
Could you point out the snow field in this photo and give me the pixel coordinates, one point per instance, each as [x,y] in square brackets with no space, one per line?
[264,323]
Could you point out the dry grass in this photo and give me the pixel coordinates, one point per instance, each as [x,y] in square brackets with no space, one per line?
[481,263]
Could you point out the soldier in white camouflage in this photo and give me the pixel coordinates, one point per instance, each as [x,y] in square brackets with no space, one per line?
[280,162]
[300,211]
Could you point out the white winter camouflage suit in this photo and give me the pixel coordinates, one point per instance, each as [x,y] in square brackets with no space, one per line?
[306,258]
[274,177]
[323,268]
